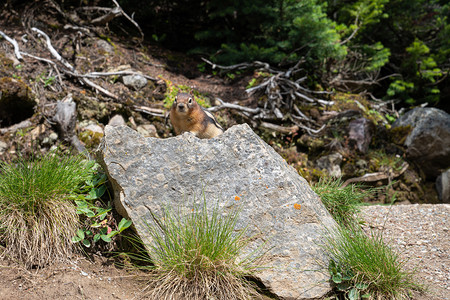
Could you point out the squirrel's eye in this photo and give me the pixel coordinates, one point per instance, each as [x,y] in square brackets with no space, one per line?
[190,100]
[175,99]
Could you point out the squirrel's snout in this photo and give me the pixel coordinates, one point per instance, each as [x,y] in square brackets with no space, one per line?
[181,106]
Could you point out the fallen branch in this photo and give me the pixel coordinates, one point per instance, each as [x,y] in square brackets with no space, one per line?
[14,43]
[156,112]
[224,105]
[371,177]
[72,71]
[282,129]
[130,19]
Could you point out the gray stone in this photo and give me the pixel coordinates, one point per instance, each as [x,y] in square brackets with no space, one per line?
[236,169]
[105,46]
[147,130]
[443,186]
[360,134]
[117,120]
[331,163]
[136,82]
[94,128]
[428,144]
[3,146]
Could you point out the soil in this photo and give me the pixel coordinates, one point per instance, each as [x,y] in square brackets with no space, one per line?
[419,233]
[77,279]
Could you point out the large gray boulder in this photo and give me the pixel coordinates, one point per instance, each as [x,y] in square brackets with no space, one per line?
[428,144]
[236,168]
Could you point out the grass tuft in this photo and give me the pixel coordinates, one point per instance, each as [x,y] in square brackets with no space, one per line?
[343,203]
[200,256]
[37,216]
[365,265]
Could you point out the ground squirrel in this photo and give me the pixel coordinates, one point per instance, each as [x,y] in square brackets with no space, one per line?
[187,115]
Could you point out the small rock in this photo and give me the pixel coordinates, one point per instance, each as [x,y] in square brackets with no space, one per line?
[360,134]
[443,186]
[147,130]
[331,163]
[37,131]
[94,128]
[117,120]
[3,146]
[135,82]
[105,46]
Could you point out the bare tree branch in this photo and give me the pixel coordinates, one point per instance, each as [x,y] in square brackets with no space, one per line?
[14,43]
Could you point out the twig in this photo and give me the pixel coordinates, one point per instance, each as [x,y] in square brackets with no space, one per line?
[130,19]
[53,50]
[14,43]
[72,71]
[150,111]
[233,106]
[370,177]
[282,129]
[49,62]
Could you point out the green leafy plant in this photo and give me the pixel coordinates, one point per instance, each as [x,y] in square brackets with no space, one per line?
[199,255]
[343,281]
[96,225]
[363,266]
[49,81]
[37,214]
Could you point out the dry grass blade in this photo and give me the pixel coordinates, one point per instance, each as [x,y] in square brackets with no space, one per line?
[37,215]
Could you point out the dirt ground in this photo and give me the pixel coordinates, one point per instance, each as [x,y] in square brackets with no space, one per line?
[79,279]
[418,233]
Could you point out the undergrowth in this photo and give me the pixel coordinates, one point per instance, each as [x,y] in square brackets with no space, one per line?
[199,255]
[361,265]
[364,266]
[37,214]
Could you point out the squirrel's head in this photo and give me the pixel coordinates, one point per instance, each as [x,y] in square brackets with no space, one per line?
[184,103]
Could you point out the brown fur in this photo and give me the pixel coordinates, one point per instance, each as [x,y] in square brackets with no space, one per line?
[186,115]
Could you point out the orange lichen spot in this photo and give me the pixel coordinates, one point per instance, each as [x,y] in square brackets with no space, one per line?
[83,92]
[237,198]
[297,206]
[267,187]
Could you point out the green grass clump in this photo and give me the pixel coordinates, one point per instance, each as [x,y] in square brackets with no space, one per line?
[37,216]
[200,256]
[343,203]
[363,265]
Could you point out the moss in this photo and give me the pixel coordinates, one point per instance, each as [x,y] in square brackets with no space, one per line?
[90,139]
[399,134]
[314,145]
[6,64]
[173,89]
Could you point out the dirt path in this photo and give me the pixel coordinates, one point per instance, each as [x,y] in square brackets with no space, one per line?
[421,235]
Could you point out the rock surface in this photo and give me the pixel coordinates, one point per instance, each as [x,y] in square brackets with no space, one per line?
[443,186]
[331,163]
[360,134]
[428,144]
[135,82]
[236,169]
